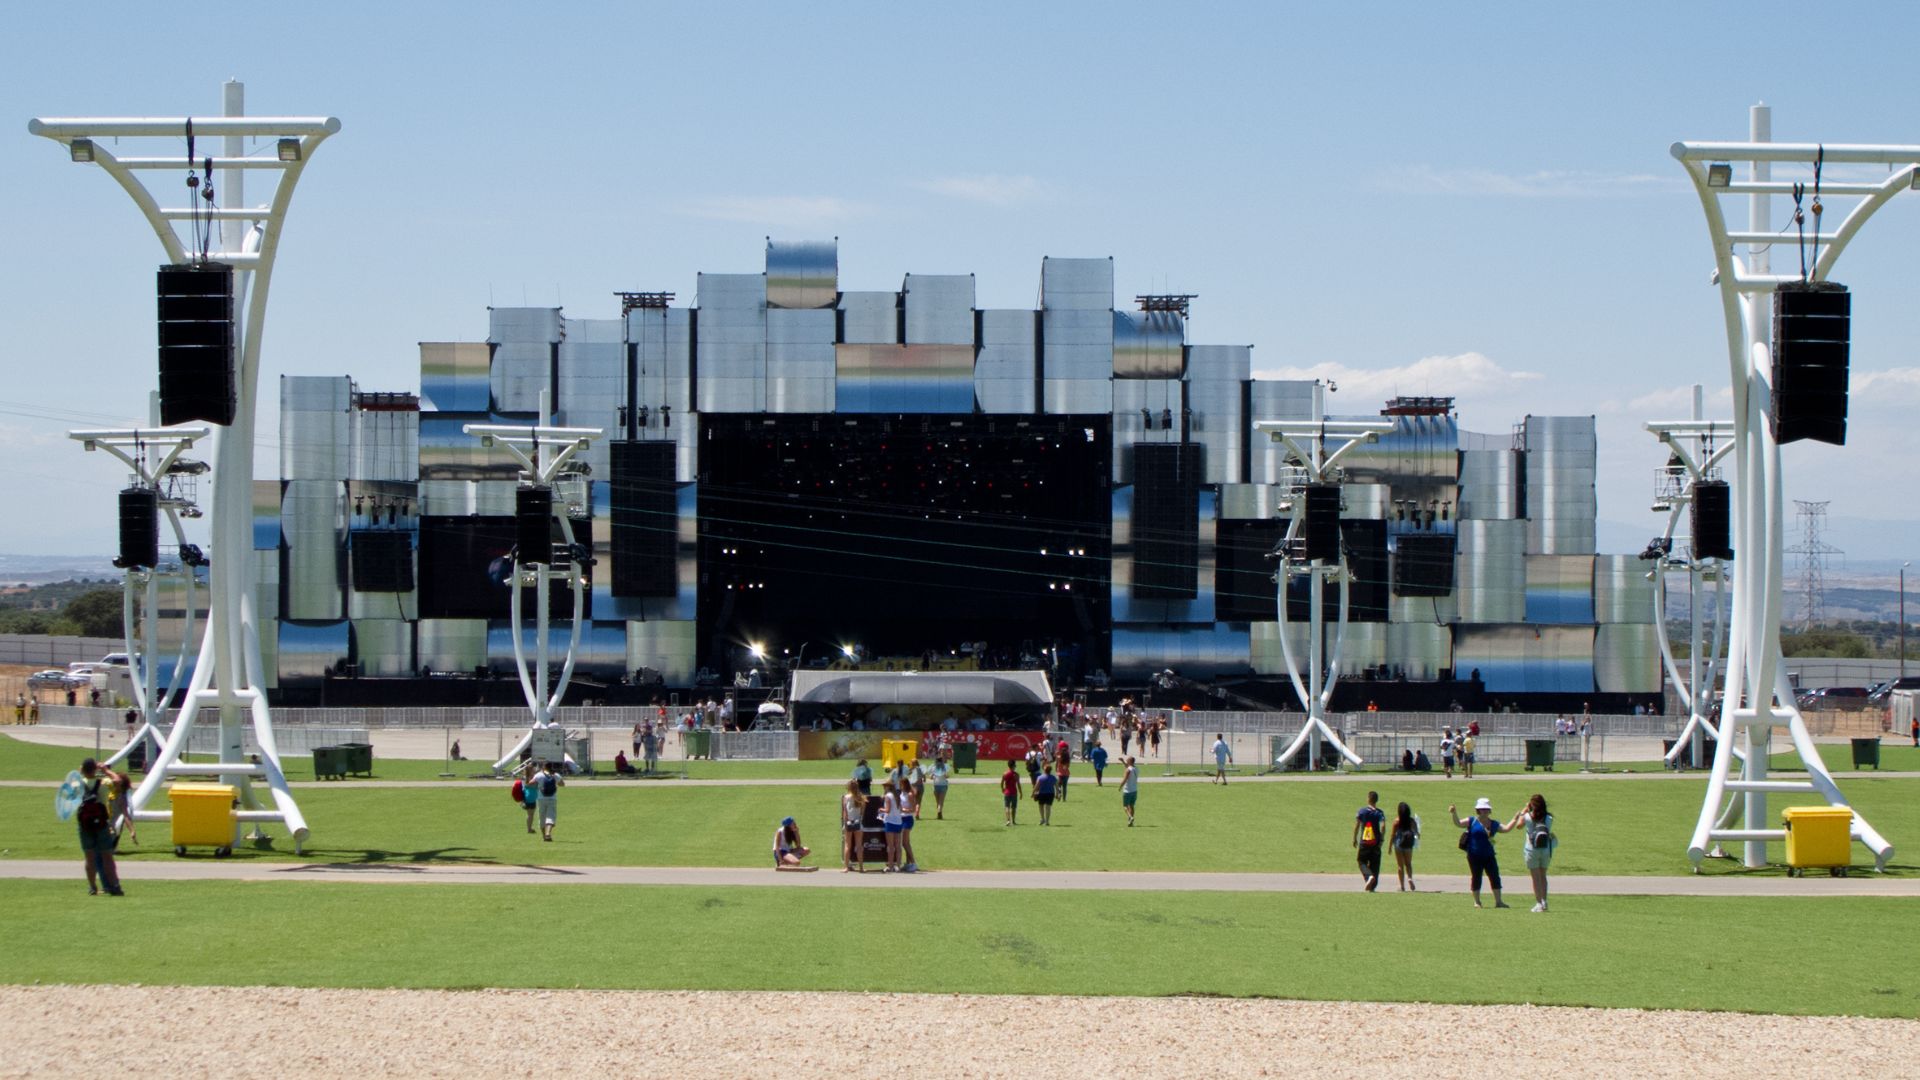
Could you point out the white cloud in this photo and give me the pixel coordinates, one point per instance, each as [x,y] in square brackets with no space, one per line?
[1457,375]
[797,211]
[1894,386]
[990,188]
[1676,403]
[1546,183]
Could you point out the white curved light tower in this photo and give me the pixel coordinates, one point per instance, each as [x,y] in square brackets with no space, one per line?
[1318,445]
[228,675]
[1758,696]
[526,445]
[152,454]
[1691,443]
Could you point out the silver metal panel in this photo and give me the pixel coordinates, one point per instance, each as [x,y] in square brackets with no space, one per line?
[521,370]
[1086,362]
[1074,326]
[939,309]
[526,324]
[664,646]
[1419,448]
[1364,646]
[1275,400]
[1077,397]
[1428,610]
[1000,326]
[454,376]
[1076,283]
[452,645]
[385,445]
[1149,345]
[1264,646]
[1220,363]
[1622,591]
[732,326]
[449,453]
[663,354]
[593,383]
[1013,362]
[383,648]
[802,273]
[1489,484]
[1527,659]
[266,611]
[1197,652]
[602,653]
[1004,395]
[266,516]
[1365,502]
[904,378]
[801,395]
[1250,502]
[732,395]
[1560,589]
[463,498]
[1419,650]
[734,291]
[307,650]
[1492,577]
[314,431]
[1626,659]
[312,520]
[800,327]
[1219,423]
[870,318]
[1133,401]
[1560,434]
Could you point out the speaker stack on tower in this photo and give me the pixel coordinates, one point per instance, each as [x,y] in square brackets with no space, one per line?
[644,508]
[196,343]
[1320,527]
[1166,520]
[1712,520]
[533,511]
[1811,322]
[139,529]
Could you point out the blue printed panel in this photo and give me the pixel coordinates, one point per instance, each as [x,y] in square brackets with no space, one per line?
[904,378]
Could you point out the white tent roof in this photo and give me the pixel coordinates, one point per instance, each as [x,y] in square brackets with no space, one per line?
[921,688]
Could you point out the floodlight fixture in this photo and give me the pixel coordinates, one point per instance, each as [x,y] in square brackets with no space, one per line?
[1720,174]
[289,149]
[81,150]
[1913,178]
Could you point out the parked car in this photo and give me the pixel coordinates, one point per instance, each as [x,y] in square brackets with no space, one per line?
[1837,697]
[1883,692]
[56,679]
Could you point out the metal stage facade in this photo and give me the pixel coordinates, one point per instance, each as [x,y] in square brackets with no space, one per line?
[793,472]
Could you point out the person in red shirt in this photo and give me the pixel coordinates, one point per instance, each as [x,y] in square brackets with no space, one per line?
[1010,789]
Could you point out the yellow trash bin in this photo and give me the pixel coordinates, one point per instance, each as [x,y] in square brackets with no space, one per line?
[203,816]
[900,750]
[1819,837]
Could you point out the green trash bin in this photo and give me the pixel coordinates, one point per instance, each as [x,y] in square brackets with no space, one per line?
[329,763]
[1866,752]
[699,743]
[357,758]
[966,756]
[1540,752]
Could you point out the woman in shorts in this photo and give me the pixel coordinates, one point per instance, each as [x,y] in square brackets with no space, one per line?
[1536,832]
[1043,789]
[909,809]
[942,775]
[893,820]
[787,848]
[853,811]
[1402,836]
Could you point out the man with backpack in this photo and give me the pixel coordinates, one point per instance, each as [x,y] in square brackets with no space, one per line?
[546,785]
[1368,826]
[97,838]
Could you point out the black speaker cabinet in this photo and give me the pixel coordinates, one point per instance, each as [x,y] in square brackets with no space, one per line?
[1320,527]
[1423,564]
[533,511]
[1712,520]
[196,343]
[382,560]
[1811,326]
[139,529]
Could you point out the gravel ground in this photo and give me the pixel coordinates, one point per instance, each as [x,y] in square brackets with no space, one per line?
[71,1031]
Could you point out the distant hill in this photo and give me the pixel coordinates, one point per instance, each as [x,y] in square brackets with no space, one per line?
[45,569]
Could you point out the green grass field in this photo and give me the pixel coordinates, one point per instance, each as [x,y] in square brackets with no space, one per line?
[1608,826]
[1602,951]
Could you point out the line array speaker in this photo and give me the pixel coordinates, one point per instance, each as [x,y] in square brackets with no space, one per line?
[1712,520]
[1423,564]
[382,560]
[645,514]
[1811,325]
[196,343]
[1320,526]
[1166,520]
[139,528]
[533,513]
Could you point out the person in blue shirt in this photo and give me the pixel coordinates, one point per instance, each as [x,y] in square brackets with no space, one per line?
[1369,829]
[863,775]
[1043,789]
[1481,828]
[1099,764]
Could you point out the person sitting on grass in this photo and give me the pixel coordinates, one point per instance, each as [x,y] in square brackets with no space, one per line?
[622,766]
[787,848]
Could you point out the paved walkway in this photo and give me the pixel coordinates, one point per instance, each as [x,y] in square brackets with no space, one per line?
[1865,884]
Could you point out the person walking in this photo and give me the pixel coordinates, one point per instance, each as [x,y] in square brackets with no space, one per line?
[1222,757]
[1099,765]
[909,810]
[863,776]
[1466,755]
[1403,836]
[1446,751]
[97,838]
[1044,787]
[942,775]
[1480,830]
[917,780]
[1536,832]
[1010,790]
[893,819]
[1369,829]
[1916,729]
[547,785]
[1063,771]
[853,813]
[1129,789]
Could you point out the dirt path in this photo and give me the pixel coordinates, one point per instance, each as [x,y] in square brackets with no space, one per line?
[68,1031]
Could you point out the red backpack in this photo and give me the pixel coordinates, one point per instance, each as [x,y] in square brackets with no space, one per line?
[519,791]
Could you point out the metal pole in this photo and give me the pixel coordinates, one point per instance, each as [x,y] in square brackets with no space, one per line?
[1754,497]
[1903,619]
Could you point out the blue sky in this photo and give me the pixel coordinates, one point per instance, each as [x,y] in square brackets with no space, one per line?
[1417,198]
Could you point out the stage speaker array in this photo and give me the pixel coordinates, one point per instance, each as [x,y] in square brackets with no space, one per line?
[645,516]
[1366,544]
[533,535]
[382,560]
[1166,520]
[1811,321]
[139,529]
[1320,525]
[196,343]
[1423,564]
[1712,520]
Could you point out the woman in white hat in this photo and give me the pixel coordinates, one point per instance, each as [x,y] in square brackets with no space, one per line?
[1477,841]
